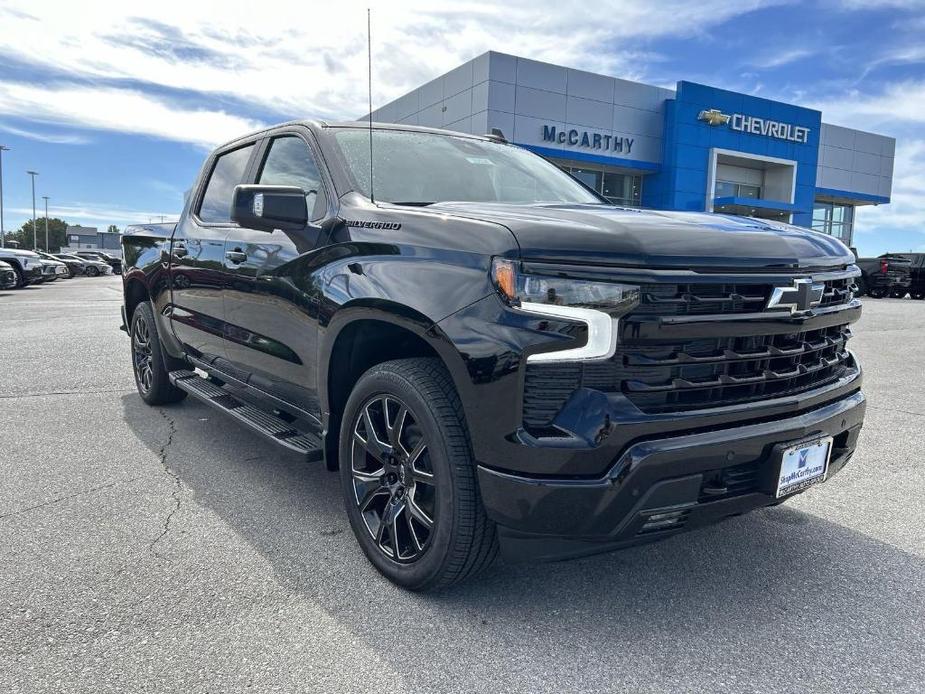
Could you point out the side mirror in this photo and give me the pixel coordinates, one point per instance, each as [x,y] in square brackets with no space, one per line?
[269,207]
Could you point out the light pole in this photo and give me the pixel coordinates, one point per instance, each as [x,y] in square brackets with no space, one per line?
[35,245]
[2,235]
[45,198]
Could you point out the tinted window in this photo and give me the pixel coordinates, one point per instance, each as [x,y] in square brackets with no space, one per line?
[290,163]
[226,174]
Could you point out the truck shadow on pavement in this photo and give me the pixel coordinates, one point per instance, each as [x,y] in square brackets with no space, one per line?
[779,594]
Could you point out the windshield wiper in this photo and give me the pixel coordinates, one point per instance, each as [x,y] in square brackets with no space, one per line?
[413,203]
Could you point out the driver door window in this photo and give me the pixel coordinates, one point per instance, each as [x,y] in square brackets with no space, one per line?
[289,162]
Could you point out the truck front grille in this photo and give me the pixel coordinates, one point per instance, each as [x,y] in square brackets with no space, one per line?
[660,373]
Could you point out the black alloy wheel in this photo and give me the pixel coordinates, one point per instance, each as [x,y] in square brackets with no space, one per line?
[93,271]
[150,364]
[876,293]
[408,478]
[899,293]
[393,479]
[141,356]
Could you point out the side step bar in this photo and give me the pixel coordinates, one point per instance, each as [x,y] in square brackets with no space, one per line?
[274,428]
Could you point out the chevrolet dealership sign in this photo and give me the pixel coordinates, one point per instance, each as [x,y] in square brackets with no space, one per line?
[756,126]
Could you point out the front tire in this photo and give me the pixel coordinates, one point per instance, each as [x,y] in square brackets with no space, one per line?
[408,477]
[150,364]
[93,271]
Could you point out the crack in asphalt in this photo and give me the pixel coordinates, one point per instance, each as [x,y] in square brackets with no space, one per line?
[66,497]
[175,494]
[896,409]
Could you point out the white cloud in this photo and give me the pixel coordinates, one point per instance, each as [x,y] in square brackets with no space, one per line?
[301,59]
[52,138]
[100,215]
[781,57]
[120,109]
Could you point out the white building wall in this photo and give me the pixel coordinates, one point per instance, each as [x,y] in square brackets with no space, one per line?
[855,161]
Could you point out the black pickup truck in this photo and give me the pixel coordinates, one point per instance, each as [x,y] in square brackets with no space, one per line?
[492,355]
[885,275]
[916,273]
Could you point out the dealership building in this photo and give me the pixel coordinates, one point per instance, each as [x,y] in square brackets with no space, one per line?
[691,148]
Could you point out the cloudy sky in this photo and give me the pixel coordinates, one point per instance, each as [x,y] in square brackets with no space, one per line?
[116,103]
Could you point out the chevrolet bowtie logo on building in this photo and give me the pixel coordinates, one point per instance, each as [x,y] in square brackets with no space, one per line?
[714,116]
[803,296]
[753,125]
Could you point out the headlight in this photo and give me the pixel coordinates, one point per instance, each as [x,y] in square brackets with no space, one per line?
[597,304]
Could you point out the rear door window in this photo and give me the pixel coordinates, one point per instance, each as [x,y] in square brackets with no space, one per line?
[228,172]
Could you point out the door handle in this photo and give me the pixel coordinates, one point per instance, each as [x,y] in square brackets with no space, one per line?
[237,256]
[179,249]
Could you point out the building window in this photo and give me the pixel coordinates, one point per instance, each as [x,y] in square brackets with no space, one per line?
[619,188]
[834,219]
[730,189]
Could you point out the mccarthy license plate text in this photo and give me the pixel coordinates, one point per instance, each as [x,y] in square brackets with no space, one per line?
[803,465]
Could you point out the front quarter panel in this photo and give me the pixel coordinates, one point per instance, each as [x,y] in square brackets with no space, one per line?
[146,261]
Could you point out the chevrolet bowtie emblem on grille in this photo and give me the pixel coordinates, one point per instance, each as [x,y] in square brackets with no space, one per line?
[714,117]
[800,298]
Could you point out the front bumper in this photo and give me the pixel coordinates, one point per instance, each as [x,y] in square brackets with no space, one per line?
[690,480]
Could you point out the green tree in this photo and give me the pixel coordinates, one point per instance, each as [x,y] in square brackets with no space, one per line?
[57,234]
[113,229]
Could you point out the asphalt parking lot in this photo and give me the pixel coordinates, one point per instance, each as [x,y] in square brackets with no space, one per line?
[171,550]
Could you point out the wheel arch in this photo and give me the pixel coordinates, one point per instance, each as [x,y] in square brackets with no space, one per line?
[365,333]
[135,292]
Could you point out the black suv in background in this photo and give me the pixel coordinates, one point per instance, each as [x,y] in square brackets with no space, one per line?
[492,355]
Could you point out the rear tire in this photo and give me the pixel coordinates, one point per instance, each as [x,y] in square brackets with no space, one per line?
[408,478]
[862,287]
[899,293]
[150,364]
[876,293]
[918,295]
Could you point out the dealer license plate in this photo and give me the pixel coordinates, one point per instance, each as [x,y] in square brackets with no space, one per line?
[803,465]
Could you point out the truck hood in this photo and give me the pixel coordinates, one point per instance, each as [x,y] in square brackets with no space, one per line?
[607,235]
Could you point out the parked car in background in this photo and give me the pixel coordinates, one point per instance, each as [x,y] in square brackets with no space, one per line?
[112,261]
[7,276]
[916,273]
[59,269]
[77,266]
[886,275]
[92,266]
[26,264]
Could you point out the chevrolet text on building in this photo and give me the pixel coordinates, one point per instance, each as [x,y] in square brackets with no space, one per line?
[695,147]
[588,140]
[756,126]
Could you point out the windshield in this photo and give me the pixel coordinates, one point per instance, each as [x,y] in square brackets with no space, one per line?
[422,168]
